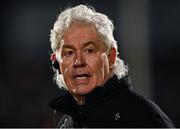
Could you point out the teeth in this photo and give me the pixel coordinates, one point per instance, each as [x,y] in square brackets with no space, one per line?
[80,78]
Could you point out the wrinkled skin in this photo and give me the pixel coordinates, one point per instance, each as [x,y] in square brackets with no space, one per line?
[85,62]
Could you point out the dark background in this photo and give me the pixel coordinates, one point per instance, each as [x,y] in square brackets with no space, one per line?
[148,35]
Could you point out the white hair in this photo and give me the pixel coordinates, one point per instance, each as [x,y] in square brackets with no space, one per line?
[103,25]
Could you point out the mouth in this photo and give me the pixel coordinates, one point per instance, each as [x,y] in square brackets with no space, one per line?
[82,78]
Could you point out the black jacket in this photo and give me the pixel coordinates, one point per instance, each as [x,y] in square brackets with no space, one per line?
[113,105]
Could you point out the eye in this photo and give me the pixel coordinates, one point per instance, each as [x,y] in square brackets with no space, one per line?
[89,50]
[68,53]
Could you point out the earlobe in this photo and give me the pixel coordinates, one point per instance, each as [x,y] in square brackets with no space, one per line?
[112,56]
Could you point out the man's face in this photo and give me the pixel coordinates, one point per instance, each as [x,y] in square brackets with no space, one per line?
[84,61]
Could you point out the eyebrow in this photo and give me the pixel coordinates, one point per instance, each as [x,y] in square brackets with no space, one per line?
[65,46]
[89,43]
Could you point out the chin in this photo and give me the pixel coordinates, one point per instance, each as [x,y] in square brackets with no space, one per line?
[83,91]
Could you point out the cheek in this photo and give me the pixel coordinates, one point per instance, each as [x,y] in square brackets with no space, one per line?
[65,64]
[94,63]
[105,62]
[66,70]
[98,63]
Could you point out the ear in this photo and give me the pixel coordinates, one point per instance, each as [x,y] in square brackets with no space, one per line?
[112,56]
[54,61]
[53,57]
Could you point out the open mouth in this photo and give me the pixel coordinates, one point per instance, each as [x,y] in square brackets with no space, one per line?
[81,76]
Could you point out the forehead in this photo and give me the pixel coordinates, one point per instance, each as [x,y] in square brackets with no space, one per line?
[79,32]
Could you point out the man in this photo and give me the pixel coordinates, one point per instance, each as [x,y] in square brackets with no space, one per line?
[95,90]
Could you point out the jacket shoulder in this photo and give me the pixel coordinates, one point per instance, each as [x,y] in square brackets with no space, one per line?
[145,111]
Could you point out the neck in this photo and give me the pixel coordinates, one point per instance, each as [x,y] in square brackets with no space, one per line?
[80,100]
[107,78]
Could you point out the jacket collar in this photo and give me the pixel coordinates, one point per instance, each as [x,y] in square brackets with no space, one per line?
[65,102]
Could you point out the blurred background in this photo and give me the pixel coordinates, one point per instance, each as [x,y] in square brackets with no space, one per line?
[148,35]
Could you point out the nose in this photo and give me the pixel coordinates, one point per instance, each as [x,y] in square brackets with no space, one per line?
[79,60]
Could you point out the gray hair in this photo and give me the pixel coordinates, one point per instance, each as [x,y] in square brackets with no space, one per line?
[104,28]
